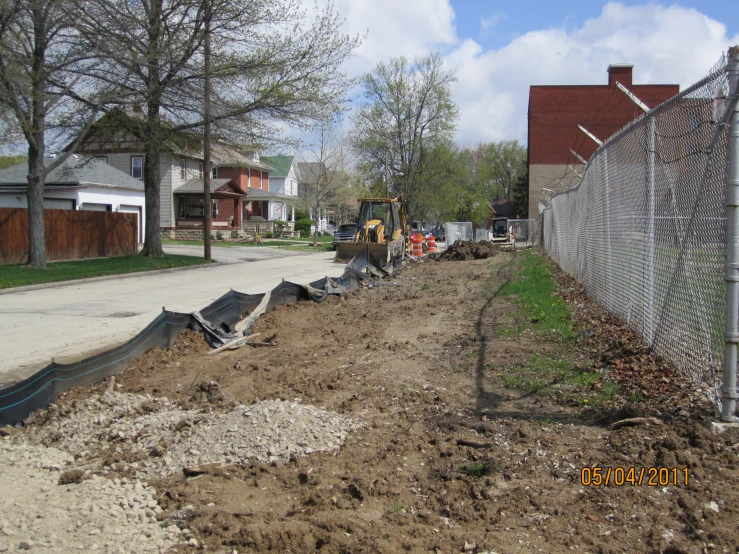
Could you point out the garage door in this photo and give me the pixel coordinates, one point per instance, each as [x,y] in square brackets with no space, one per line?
[95,207]
[135,210]
[58,204]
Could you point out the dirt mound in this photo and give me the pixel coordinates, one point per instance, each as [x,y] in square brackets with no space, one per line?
[463,250]
[463,446]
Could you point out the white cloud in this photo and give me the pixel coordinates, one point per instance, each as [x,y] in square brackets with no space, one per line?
[666,44]
[487,23]
[397,27]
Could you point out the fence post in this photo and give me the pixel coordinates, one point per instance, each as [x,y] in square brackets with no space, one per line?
[651,155]
[731,327]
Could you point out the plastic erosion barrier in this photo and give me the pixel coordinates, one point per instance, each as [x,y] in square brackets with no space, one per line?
[21,399]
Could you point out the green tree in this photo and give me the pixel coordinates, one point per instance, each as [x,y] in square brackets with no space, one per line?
[408,109]
[505,163]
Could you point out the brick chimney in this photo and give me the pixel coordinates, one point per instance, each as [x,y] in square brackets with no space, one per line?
[621,72]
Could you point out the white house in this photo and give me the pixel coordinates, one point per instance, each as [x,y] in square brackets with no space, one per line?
[78,184]
[283,187]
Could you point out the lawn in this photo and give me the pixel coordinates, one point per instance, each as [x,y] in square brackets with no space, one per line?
[13,275]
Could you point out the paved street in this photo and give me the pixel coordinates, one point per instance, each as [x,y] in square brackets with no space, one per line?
[69,322]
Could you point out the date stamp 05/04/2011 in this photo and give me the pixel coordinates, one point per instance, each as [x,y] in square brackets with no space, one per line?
[597,476]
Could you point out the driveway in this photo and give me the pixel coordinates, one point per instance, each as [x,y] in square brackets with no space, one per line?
[70,322]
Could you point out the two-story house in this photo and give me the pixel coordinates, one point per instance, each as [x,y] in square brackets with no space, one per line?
[283,187]
[240,189]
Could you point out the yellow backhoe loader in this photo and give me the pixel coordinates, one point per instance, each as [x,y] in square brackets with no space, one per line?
[381,231]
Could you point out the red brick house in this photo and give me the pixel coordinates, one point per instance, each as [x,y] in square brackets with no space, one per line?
[555,111]
[235,177]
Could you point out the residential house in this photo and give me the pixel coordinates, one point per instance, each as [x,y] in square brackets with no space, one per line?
[555,111]
[78,184]
[239,187]
[283,187]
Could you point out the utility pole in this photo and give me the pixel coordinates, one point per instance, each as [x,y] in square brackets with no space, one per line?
[207,172]
[387,193]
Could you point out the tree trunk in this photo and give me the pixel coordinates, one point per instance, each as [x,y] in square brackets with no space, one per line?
[153,138]
[37,146]
[152,185]
[35,199]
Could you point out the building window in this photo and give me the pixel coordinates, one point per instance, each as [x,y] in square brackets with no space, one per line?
[214,206]
[214,172]
[137,167]
[183,170]
[103,159]
[200,171]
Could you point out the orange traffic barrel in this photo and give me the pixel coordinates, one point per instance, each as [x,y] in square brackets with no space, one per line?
[417,241]
[431,241]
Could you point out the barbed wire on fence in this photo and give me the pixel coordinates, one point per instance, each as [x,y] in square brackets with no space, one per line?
[645,229]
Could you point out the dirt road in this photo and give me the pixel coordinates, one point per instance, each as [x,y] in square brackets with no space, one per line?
[420,441]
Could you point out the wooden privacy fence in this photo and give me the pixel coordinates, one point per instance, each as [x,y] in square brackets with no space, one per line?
[70,234]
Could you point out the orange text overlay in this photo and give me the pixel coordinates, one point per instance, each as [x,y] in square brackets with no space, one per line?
[633,476]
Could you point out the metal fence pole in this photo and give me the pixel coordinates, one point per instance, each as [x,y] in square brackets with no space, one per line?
[731,327]
[651,155]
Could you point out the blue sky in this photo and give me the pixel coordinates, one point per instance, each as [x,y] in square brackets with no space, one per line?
[500,49]
[494,24]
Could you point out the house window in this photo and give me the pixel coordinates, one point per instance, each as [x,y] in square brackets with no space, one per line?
[183,170]
[214,172]
[214,210]
[103,159]
[200,171]
[137,167]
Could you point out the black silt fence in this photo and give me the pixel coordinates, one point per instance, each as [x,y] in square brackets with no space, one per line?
[21,399]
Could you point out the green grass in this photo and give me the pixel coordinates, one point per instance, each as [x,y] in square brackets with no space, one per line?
[545,313]
[13,275]
[478,469]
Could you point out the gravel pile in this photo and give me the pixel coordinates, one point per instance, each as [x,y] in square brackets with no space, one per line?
[165,438]
[268,431]
[88,444]
[91,514]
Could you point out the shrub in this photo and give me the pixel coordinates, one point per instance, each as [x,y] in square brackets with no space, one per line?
[219,235]
[303,225]
[269,234]
[234,234]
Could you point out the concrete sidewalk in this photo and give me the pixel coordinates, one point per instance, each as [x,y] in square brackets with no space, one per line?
[71,322]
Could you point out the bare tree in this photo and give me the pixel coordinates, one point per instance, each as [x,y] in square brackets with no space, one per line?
[273,64]
[324,171]
[46,91]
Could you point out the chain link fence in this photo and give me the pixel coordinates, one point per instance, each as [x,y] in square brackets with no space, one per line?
[458,231]
[645,229]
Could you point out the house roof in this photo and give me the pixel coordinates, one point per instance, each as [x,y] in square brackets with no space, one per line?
[225,156]
[502,207]
[281,165]
[75,171]
[309,171]
[197,186]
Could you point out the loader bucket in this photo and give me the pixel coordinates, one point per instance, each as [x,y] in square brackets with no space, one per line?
[345,251]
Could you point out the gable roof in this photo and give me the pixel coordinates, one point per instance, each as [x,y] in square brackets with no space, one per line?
[76,171]
[225,156]
[197,186]
[281,165]
[502,207]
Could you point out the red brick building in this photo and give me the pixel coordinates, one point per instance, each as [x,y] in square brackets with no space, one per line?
[555,111]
